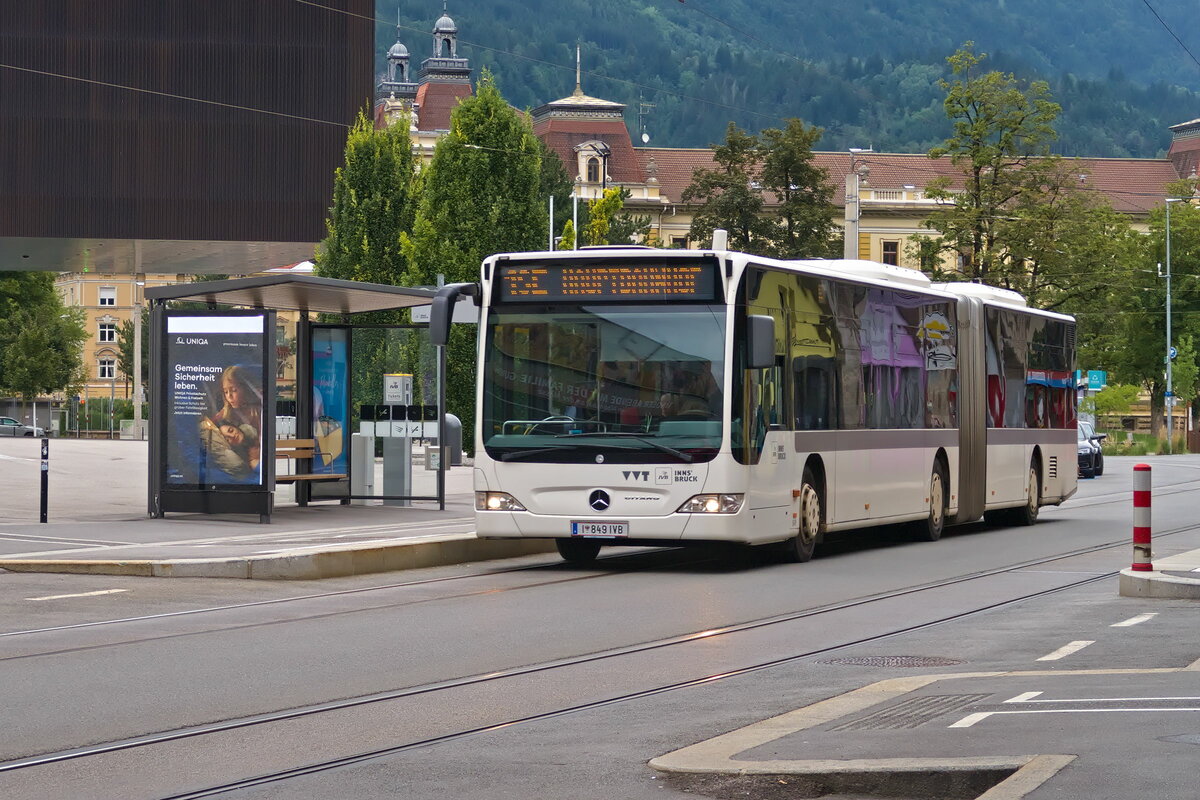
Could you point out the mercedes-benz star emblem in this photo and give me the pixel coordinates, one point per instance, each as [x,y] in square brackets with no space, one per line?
[599,500]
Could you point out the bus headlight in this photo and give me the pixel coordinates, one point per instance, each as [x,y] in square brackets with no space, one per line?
[712,504]
[496,501]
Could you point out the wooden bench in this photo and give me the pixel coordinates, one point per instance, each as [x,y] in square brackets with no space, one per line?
[300,450]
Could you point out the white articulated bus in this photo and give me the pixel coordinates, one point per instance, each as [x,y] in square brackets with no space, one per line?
[640,396]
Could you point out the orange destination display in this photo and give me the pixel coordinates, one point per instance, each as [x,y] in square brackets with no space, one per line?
[687,281]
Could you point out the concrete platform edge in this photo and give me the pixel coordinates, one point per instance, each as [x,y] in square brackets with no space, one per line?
[308,565]
[1158,585]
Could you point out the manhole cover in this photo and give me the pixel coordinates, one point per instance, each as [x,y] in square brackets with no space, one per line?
[894,661]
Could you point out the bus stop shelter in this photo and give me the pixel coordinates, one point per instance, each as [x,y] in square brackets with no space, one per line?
[219,426]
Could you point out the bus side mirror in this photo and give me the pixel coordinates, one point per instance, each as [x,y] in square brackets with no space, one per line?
[760,341]
[441,313]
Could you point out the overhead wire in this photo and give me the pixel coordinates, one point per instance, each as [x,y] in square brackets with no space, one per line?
[543,62]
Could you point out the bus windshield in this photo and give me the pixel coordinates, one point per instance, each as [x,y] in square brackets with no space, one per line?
[608,383]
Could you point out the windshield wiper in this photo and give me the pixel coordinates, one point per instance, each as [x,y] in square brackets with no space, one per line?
[516,455]
[682,456]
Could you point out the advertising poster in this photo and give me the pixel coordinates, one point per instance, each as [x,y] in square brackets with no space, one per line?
[331,400]
[214,400]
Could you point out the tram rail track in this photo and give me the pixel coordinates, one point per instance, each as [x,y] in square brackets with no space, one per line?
[1164,490]
[311,710]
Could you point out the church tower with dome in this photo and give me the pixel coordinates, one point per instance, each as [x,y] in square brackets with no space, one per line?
[442,81]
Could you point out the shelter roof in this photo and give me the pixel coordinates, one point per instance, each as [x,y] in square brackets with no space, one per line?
[297,293]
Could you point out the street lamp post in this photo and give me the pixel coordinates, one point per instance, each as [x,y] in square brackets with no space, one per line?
[853,178]
[1170,397]
[139,282]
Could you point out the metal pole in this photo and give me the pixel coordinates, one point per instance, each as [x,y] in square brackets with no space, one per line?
[1170,394]
[1141,519]
[45,479]
[551,223]
[137,359]
[850,248]
[575,218]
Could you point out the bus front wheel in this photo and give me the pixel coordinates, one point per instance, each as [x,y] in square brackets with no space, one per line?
[577,551]
[800,547]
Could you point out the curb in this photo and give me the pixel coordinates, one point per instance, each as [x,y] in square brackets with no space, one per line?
[714,762]
[303,565]
[1158,584]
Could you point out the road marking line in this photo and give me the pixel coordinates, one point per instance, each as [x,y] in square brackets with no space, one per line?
[1023,698]
[1066,650]
[1134,620]
[971,719]
[81,594]
[1114,699]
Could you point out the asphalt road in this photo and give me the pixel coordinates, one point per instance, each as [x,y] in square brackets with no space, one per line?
[529,678]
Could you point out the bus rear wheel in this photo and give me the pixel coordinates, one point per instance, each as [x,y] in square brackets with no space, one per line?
[1028,513]
[577,551]
[800,548]
[930,529]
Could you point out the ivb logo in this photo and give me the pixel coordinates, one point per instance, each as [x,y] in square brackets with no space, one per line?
[636,475]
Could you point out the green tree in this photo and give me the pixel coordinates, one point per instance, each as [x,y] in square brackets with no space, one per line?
[40,339]
[21,290]
[1185,371]
[480,195]
[567,241]
[999,129]
[730,196]
[1128,335]
[1062,247]
[372,204]
[601,212]
[1112,400]
[554,182]
[125,339]
[805,211]
[43,355]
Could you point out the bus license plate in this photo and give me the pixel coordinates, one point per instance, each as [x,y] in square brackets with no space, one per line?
[605,529]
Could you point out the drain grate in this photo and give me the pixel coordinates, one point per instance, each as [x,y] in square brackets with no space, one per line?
[894,661]
[911,713]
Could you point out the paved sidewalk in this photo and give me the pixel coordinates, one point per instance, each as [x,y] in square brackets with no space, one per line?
[98,524]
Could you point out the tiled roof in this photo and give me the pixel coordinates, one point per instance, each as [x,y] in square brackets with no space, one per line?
[673,167]
[436,101]
[1132,185]
[562,136]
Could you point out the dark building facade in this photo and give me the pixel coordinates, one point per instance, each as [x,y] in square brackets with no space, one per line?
[221,120]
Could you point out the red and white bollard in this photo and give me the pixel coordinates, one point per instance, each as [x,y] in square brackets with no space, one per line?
[1141,519]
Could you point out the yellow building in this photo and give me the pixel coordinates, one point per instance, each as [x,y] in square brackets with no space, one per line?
[107,300]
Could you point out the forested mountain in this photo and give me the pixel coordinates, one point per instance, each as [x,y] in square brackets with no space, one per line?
[864,70]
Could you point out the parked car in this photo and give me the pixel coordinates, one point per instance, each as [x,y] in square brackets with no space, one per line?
[10,427]
[1091,455]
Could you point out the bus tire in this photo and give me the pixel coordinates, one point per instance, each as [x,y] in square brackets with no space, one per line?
[577,551]
[1028,513]
[800,548]
[930,529]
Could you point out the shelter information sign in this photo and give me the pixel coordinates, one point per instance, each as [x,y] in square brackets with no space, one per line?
[214,399]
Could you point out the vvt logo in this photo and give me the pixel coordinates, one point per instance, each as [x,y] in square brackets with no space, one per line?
[635,475]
